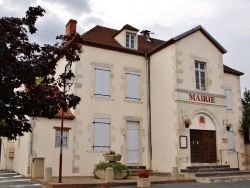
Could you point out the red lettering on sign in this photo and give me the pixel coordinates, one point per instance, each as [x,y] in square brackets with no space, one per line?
[202,98]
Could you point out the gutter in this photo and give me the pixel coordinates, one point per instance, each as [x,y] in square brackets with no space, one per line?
[149,112]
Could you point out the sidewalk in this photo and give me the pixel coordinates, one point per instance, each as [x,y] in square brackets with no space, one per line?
[84,182]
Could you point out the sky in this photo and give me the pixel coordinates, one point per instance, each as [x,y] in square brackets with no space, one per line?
[228,21]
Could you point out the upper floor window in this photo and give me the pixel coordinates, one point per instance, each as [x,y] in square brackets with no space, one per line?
[65,138]
[130,40]
[200,75]
[102,82]
[133,86]
[228,100]
[101,134]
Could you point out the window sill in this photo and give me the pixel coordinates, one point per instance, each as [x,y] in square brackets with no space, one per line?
[102,98]
[133,101]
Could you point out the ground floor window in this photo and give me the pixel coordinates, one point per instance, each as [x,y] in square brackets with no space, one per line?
[65,137]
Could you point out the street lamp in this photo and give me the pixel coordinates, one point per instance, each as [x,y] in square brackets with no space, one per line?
[67,80]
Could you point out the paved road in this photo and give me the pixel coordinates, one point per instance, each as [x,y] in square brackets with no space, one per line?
[11,179]
[241,184]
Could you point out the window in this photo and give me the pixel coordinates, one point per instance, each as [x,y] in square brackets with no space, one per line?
[133,86]
[130,40]
[65,138]
[102,82]
[200,76]
[101,134]
[228,100]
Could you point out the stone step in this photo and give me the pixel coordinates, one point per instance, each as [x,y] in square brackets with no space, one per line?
[208,167]
[222,179]
[137,167]
[133,170]
[198,170]
[223,174]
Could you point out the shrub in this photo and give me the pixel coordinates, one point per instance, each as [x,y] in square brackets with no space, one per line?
[117,166]
[143,174]
[111,153]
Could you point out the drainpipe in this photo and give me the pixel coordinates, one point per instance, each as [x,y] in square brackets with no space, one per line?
[30,146]
[149,111]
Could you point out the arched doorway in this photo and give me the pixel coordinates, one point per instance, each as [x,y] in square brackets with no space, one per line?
[202,139]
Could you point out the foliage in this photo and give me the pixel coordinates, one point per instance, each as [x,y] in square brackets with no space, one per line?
[229,125]
[143,174]
[187,121]
[22,65]
[117,166]
[111,153]
[245,121]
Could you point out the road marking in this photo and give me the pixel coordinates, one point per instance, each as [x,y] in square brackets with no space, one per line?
[3,181]
[12,186]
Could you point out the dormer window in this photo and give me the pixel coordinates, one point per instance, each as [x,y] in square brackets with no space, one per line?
[130,40]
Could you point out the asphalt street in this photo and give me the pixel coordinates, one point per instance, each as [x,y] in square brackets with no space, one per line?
[11,179]
[241,184]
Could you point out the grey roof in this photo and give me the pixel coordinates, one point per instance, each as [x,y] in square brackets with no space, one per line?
[187,33]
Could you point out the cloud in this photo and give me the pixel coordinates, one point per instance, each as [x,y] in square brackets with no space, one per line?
[75,7]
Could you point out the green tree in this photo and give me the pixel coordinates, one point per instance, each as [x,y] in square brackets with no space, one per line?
[21,64]
[245,122]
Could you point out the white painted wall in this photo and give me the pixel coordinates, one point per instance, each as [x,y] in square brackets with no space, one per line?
[164,110]
[117,107]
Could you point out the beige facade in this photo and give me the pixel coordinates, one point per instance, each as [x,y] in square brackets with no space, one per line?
[147,129]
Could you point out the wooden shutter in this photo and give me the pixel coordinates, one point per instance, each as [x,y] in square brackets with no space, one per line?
[231,139]
[106,83]
[136,86]
[133,86]
[98,82]
[102,82]
[228,99]
[129,92]
[101,134]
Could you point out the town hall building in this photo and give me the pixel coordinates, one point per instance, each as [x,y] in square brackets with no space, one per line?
[136,93]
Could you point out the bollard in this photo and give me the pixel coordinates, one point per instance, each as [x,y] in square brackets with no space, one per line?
[175,172]
[48,174]
[109,175]
[38,168]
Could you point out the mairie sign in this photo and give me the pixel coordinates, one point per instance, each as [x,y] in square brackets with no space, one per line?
[201,98]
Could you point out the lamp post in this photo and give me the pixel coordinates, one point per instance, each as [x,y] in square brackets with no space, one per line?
[67,79]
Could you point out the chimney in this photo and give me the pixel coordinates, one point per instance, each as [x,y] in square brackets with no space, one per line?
[146,34]
[71,26]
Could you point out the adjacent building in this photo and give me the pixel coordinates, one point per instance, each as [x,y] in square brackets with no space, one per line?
[136,92]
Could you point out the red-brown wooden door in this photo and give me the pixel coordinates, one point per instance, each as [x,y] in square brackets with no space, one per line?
[203,146]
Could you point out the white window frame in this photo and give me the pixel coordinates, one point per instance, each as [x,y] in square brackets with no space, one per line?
[229,106]
[198,70]
[58,138]
[101,134]
[102,82]
[133,92]
[130,40]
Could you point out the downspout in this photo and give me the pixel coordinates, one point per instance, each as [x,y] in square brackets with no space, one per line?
[30,146]
[149,112]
